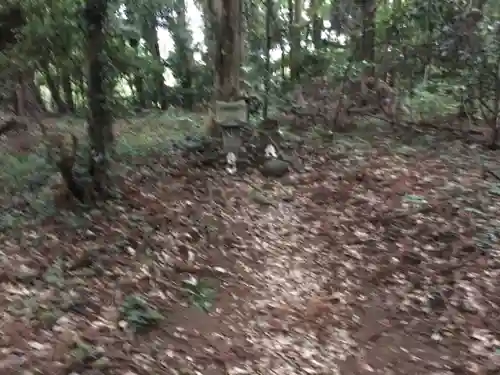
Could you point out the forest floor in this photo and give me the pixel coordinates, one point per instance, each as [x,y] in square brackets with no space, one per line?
[380,258]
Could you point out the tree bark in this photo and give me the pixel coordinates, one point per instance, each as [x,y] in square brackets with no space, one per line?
[182,39]
[68,91]
[317,25]
[151,36]
[138,80]
[53,86]
[100,119]
[267,81]
[367,43]
[228,50]
[294,19]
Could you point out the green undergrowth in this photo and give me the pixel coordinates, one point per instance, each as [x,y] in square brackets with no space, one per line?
[155,133]
[25,177]
[425,104]
[139,136]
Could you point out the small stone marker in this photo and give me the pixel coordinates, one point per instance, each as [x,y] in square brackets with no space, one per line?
[232,118]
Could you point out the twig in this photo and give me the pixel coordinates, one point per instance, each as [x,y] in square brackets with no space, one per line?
[491,173]
[398,215]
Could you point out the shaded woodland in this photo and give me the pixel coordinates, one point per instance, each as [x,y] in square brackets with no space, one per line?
[250,187]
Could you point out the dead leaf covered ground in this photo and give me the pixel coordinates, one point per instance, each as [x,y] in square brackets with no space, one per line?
[375,260]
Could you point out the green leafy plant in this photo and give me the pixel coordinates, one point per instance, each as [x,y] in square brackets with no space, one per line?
[414,199]
[201,294]
[138,314]
[55,275]
[427,100]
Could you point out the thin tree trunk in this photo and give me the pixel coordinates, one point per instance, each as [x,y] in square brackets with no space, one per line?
[151,36]
[54,90]
[367,53]
[100,120]
[267,82]
[68,92]
[138,80]
[317,25]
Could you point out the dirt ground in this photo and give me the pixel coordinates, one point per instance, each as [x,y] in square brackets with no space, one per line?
[375,260]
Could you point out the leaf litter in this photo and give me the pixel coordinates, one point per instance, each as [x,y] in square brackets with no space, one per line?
[371,261]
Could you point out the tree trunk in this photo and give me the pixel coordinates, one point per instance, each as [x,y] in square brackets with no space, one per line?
[26,96]
[38,96]
[151,36]
[182,40]
[100,120]
[54,90]
[138,80]
[82,93]
[468,104]
[139,91]
[367,43]
[209,20]
[228,50]
[317,25]
[267,82]
[282,60]
[68,91]
[391,39]
[295,18]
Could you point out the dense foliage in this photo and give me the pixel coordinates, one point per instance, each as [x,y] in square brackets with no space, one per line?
[249,187]
[449,46]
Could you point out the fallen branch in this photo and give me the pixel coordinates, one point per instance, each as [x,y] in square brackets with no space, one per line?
[491,173]
[199,270]
[384,218]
